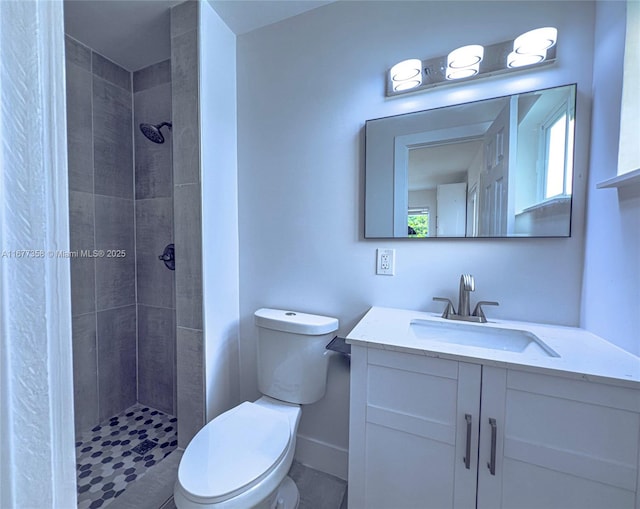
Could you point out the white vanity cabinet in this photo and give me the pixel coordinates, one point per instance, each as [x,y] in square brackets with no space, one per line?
[428,432]
[405,443]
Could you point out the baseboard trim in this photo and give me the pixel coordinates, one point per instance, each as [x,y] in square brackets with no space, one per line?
[322,456]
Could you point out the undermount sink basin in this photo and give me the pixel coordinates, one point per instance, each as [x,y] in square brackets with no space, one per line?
[482,336]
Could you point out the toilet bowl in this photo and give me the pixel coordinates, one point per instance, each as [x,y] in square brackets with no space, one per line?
[240,459]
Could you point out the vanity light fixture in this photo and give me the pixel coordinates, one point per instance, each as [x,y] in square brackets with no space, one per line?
[530,49]
[406,75]
[464,62]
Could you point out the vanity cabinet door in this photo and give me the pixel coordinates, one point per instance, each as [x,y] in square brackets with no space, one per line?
[535,440]
[561,443]
[408,431]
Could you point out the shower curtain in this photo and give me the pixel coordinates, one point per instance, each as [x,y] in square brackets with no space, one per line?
[36,387]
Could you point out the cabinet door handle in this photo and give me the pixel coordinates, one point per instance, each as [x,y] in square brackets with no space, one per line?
[494,431]
[467,457]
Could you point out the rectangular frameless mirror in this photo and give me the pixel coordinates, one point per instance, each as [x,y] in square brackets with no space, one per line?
[500,167]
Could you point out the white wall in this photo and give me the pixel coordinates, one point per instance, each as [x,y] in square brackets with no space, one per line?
[306,86]
[218,145]
[611,296]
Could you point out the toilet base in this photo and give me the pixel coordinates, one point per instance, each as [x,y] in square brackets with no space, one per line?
[288,496]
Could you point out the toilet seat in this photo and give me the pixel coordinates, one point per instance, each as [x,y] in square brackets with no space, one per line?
[233,452]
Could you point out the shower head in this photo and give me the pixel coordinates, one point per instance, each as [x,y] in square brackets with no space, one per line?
[152,131]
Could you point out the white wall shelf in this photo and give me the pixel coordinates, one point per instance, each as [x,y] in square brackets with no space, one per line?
[625,180]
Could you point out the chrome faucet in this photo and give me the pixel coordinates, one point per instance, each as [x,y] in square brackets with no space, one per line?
[467,284]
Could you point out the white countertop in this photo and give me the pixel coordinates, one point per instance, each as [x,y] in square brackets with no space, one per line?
[581,353]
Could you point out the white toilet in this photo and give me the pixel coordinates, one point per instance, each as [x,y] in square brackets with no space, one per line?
[240,459]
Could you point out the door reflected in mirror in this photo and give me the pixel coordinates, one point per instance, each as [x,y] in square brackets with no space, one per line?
[501,167]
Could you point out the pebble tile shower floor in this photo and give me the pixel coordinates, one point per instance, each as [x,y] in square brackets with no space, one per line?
[119,451]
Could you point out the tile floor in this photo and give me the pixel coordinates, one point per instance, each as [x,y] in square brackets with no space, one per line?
[119,451]
[317,489]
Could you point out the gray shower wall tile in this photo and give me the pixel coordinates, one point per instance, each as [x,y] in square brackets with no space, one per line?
[154,174]
[81,237]
[81,220]
[77,53]
[114,224]
[79,128]
[188,251]
[187,220]
[156,357]
[110,71]
[85,368]
[112,144]
[154,224]
[184,81]
[156,283]
[115,282]
[115,275]
[154,169]
[184,17]
[116,359]
[151,76]
[190,383]
[83,285]
[154,231]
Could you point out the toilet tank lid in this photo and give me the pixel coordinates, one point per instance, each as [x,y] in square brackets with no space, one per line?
[295,322]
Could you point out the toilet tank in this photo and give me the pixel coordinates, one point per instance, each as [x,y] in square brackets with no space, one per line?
[292,358]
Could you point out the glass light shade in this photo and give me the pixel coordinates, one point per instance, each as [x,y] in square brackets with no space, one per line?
[466,56]
[517,60]
[406,70]
[535,41]
[399,86]
[465,72]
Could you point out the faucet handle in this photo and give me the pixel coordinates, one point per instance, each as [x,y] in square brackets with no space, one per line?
[449,309]
[478,311]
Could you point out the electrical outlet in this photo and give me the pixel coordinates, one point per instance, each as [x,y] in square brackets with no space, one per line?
[386,262]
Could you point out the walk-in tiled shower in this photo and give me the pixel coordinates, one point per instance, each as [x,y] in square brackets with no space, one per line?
[123,296]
